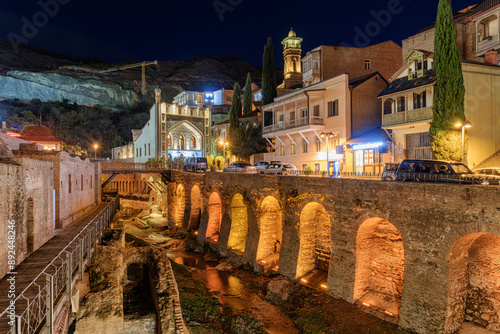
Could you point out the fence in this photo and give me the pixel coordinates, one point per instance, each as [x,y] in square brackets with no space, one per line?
[35,305]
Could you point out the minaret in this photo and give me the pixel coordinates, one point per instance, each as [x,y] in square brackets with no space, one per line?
[292,54]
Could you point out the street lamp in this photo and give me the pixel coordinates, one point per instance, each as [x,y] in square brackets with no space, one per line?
[328,135]
[464,125]
[95,151]
[224,144]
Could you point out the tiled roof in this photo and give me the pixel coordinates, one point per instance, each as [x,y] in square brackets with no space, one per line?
[403,84]
[44,138]
[375,136]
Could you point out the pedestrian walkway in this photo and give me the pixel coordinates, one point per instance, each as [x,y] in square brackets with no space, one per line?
[31,267]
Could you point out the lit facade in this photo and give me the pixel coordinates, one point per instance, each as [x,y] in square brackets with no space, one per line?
[343,106]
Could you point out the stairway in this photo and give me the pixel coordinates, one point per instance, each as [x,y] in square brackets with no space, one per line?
[492,161]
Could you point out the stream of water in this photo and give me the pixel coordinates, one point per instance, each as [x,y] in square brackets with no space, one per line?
[233,293]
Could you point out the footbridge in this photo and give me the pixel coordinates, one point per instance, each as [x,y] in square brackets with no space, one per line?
[116,168]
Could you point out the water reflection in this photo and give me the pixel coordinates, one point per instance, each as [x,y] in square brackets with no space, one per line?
[233,293]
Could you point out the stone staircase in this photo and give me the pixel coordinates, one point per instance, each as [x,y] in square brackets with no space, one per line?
[492,161]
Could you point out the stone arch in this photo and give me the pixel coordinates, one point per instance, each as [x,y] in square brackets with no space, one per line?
[314,238]
[194,218]
[270,231]
[239,224]
[214,217]
[181,205]
[30,225]
[379,273]
[474,282]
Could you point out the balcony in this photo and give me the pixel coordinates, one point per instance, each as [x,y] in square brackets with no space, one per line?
[410,116]
[487,44]
[296,123]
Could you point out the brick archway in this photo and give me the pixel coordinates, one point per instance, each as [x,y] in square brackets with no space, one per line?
[181,205]
[314,238]
[239,224]
[474,282]
[195,216]
[270,231]
[380,264]
[214,218]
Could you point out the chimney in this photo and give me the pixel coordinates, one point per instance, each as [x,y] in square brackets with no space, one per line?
[491,57]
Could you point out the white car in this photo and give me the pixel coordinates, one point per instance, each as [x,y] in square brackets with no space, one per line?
[260,165]
[281,169]
[241,167]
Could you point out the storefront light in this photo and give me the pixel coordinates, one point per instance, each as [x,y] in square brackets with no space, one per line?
[366,146]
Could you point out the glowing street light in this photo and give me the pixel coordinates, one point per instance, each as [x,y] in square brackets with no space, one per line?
[224,144]
[328,135]
[95,151]
[464,125]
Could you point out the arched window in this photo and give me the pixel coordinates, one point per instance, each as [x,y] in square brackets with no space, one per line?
[181,142]
[169,140]
[193,142]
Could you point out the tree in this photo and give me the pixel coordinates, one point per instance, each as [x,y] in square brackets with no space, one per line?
[449,94]
[268,74]
[247,140]
[235,111]
[247,96]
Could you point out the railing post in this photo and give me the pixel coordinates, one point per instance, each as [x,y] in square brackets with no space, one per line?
[80,263]
[89,252]
[69,288]
[17,325]
[50,305]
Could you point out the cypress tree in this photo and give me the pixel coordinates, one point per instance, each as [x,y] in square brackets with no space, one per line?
[247,96]
[449,95]
[268,74]
[235,111]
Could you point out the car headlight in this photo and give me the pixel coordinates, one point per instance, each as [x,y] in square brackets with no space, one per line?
[485,183]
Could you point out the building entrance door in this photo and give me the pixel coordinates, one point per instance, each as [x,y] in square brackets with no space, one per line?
[358,161]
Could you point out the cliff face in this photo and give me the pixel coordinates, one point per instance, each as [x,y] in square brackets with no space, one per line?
[36,74]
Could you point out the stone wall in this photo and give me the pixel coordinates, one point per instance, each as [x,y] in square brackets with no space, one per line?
[75,182]
[142,325]
[427,219]
[26,204]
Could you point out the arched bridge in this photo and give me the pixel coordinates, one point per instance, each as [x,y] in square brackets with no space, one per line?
[426,256]
[115,168]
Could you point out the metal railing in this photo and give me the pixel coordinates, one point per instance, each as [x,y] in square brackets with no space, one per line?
[295,123]
[35,305]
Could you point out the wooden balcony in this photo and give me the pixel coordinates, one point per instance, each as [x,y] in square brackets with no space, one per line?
[410,116]
[292,124]
[487,44]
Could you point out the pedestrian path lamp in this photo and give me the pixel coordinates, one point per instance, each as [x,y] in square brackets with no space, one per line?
[95,151]
[327,135]
[463,125]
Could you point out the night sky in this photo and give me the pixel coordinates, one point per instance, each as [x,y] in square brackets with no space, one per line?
[175,30]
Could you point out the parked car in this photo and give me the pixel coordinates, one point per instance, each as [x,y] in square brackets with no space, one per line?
[389,172]
[440,171]
[488,171]
[260,165]
[195,164]
[241,167]
[281,169]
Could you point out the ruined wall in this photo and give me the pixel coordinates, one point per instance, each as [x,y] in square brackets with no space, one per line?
[430,219]
[74,183]
[26,208]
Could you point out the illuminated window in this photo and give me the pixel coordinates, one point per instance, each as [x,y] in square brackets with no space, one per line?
[304,146]
[282,149]
[293,148]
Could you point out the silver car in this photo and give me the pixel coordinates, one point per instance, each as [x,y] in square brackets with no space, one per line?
[260,165]
[241,167]
[281,169]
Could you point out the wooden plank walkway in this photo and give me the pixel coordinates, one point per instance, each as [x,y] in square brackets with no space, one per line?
[29,269]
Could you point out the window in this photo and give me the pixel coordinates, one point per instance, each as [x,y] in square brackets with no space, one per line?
[82,182]
[282,149]
[90,181]
[368,64]
[136,152]
[145,152]
[304,113]
[149,149]
[69,183]
[401,104]
[304,166]
[169,140]
[304,146]
[418,65]
[419,100]
[292,115]
[193,142]
[426,64]
[316,168]
[318,145]
[140,152]
[333,108]
[293,148]
[316,111]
